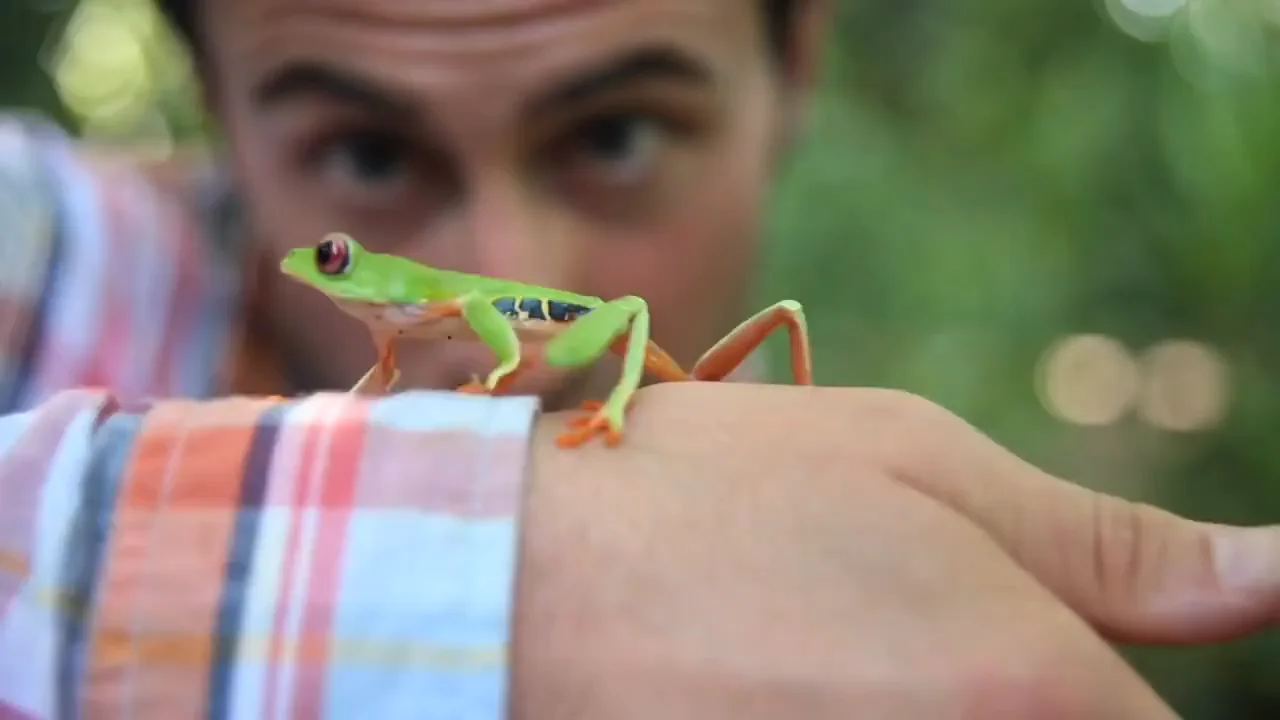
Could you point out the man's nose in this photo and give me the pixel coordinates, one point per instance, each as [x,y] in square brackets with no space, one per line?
[517,235]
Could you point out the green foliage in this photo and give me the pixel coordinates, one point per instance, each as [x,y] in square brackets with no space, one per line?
[983,178]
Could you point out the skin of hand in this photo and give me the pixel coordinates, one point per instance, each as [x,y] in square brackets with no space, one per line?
[766,551]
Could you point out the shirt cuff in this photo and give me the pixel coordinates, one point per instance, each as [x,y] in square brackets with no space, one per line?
[333,556]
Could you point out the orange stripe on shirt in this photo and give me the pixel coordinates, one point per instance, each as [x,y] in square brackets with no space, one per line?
[153,636]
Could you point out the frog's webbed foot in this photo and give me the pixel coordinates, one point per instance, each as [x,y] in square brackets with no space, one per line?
[475,387]
[497,384]
[589,408]
[582,430]
[597,419]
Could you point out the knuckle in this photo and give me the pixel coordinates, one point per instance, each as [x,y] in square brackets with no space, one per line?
[904,423]
[1036,680]
[1136,548]
[1117,544]
[908,412]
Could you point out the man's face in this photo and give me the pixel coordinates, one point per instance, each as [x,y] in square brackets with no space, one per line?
[606,148]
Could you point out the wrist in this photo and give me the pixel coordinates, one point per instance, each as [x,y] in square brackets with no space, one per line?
[554,629]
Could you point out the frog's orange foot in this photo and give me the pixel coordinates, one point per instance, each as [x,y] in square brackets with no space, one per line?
[583,429]
[475,387]
[591,405]
[589,408]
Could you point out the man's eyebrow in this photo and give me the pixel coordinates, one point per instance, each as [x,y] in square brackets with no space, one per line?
[302,79]
[647,63]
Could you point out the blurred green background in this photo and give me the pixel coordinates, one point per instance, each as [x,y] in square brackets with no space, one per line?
[1054,218]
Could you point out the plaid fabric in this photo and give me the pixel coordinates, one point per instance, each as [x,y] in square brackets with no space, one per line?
[106,282]
[331,557]
[327,557]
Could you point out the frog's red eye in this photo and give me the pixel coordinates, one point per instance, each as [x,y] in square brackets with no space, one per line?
[333,256]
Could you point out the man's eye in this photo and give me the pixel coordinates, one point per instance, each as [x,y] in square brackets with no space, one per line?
[368,157]
[623,145]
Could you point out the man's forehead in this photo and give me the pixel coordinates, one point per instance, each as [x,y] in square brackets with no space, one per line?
[504,42]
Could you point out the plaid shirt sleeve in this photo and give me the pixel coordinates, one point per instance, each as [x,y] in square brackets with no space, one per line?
[107,280]
[27,213]
[335,556]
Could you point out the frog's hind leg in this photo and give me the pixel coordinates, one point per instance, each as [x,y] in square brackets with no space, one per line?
[728,354]
[584,342]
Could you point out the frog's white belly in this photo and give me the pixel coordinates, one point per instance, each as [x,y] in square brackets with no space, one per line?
[407,321]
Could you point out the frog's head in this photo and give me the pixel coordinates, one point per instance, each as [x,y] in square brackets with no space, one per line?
[336,266]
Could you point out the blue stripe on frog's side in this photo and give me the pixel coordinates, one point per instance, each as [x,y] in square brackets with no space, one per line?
[533,308]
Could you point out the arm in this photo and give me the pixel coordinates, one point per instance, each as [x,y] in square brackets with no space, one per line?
[716,566]
[335,556]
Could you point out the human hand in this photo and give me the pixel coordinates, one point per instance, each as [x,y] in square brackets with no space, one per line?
[763,551]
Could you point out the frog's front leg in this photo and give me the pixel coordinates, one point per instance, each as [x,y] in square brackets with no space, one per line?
[363,386]
[384,373]
[584,342]
[496,331]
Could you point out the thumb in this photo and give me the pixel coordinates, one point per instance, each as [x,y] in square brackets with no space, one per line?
[1137,573]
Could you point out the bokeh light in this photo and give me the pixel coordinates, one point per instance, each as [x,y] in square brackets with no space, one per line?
[1225,35]
[106,70]
[1088,380]
[1184,386]
[1147,20]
